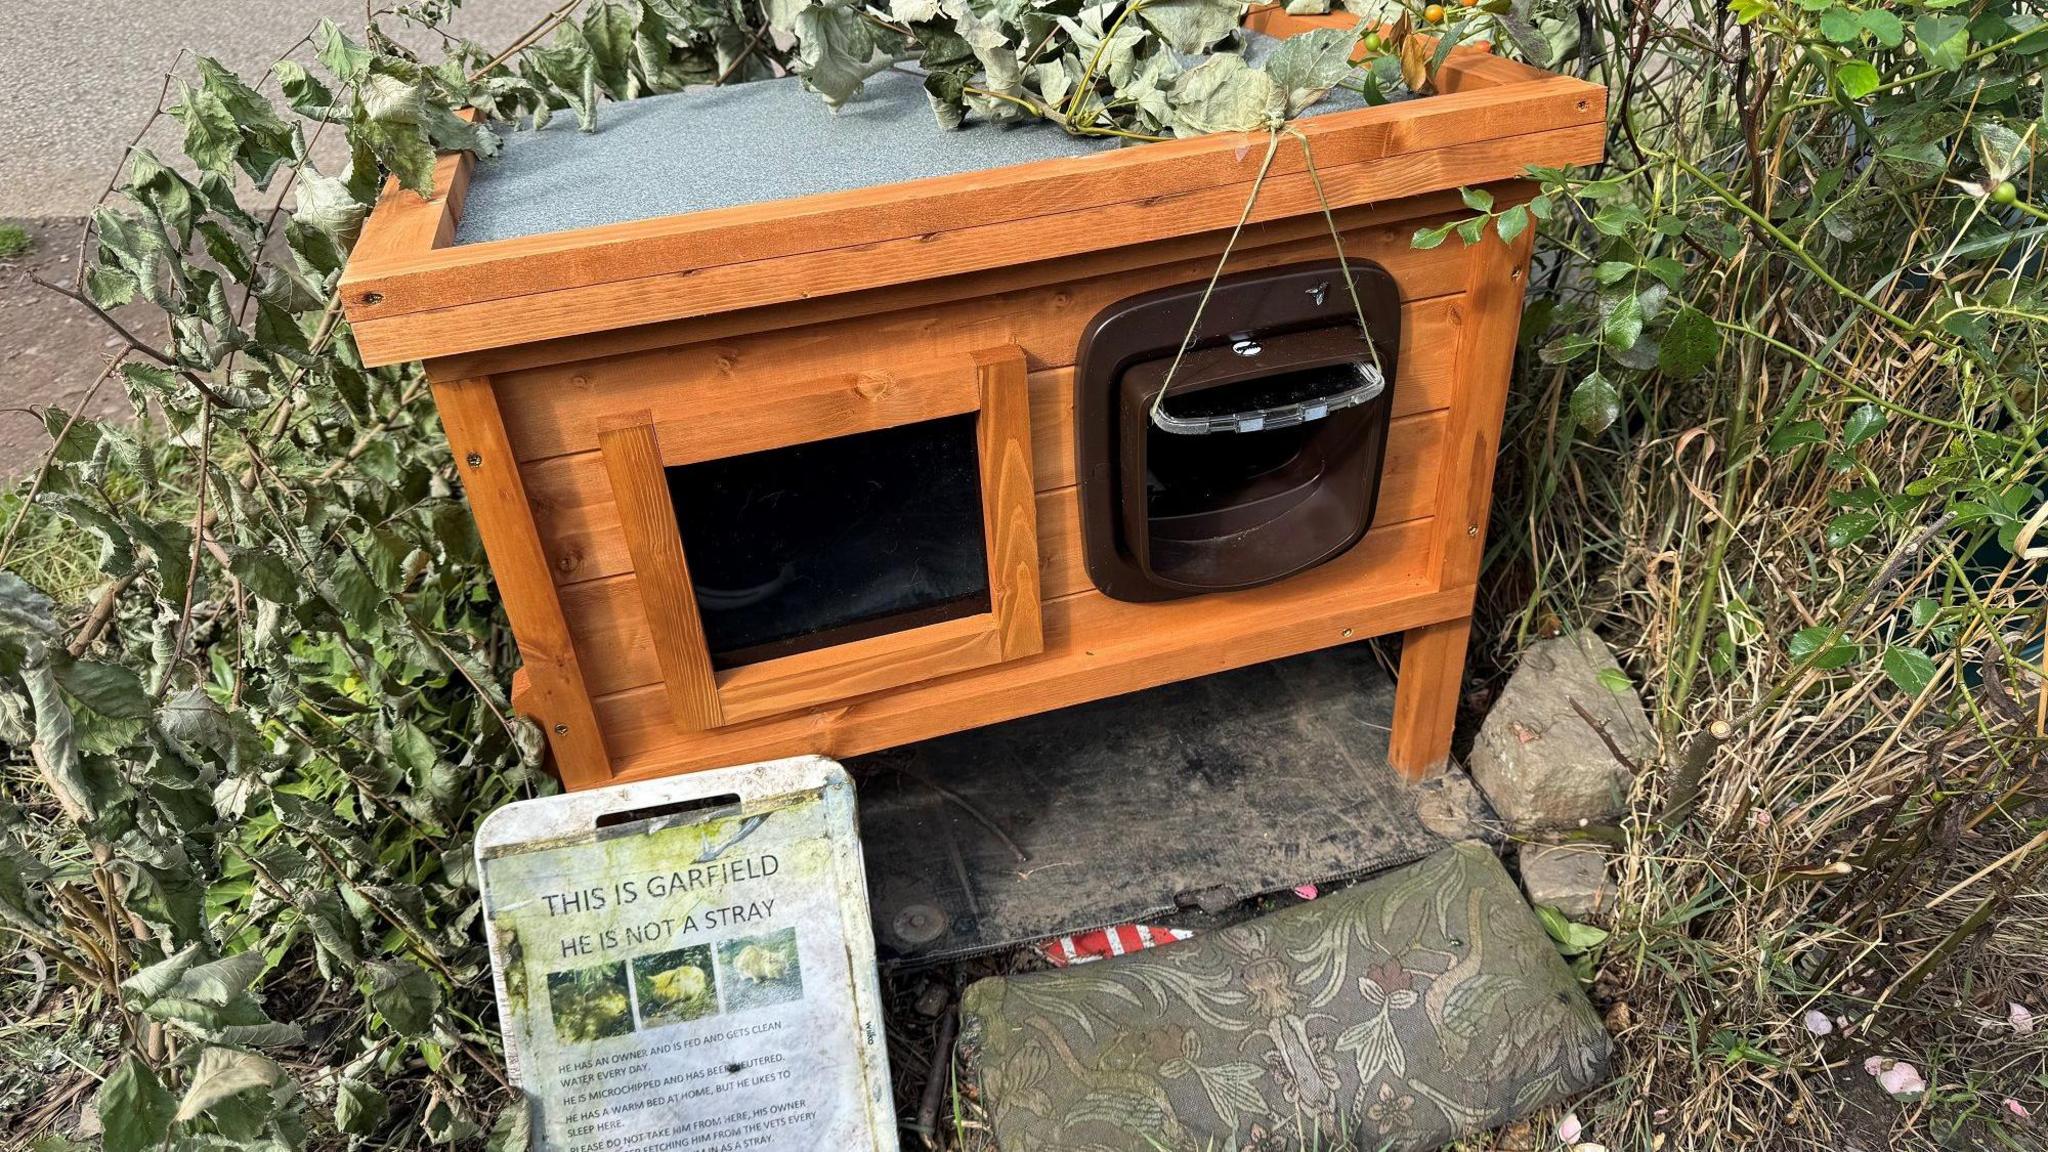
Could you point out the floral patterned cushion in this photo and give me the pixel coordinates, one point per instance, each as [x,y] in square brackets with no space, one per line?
[1412,1009]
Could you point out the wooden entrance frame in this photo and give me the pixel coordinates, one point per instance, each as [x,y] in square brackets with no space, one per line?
[991,384]
[566,364]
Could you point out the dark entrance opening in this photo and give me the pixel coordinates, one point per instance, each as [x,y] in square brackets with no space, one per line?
[799,548]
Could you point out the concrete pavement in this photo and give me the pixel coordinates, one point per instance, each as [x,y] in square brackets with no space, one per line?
[80,76]
[77,80]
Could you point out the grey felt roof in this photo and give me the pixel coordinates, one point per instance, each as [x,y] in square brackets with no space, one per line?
[706,148]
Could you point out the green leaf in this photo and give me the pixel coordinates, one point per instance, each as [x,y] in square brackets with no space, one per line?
[404,993]
[1615,219]
[1477,199]
[24,611]
[109,286]
[210,136]
[1471,229]
[1849,527]
[348,60]
[1594,405]
[1909,668]
[1840,25]
[1426,238]
[1224,94]
[1512,223]
[1527,40]
[107,689]
[134,1109]
[1883,26]
[355,593]
[1692,341]
[1307,66]
[513,1130]
[263,141]
[1667,270]
[608,30]
[398,142]
[222,1074]
[1568,347]
[157,980]
[1613,271]
[1943,39]
[266,575]
[307,95]
[1796,434]
[836,52]
[1614,680]
[1866,421]
[1821,645]
[57,737]
[1621,318]
[2001,150]
[1858,79]
[1190,26]
[326,205]
[358,1108]
[1748,11]
[1571,937]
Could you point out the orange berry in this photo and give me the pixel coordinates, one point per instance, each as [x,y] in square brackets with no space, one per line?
[1434,14]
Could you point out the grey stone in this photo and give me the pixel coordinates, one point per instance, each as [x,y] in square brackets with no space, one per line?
[1448,805]
[1571,878]
[1538,760]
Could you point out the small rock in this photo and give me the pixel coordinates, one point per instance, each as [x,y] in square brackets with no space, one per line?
[1539,762]
[1571,878]
[1450,807]
[932,999]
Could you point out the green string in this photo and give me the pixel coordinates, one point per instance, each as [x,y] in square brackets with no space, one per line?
[1273,130]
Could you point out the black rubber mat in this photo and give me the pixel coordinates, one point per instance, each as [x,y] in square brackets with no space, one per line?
[1184,799]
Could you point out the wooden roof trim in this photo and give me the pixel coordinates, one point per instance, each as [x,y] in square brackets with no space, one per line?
[616,302]
[406,263]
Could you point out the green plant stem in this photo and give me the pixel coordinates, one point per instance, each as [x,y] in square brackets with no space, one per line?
[1799,251]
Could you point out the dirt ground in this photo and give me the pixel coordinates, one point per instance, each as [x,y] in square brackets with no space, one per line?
[50,348]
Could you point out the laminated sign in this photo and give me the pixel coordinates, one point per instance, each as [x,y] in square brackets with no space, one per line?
[686,965]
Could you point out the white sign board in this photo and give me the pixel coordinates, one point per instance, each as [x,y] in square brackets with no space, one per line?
[693,978]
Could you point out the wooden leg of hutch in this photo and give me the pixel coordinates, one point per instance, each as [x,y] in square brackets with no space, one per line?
[1426,697]
[1433,656]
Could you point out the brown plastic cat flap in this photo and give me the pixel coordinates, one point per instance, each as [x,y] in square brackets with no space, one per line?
[1261,456]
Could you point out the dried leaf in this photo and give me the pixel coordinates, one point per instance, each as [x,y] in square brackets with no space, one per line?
[1224,94]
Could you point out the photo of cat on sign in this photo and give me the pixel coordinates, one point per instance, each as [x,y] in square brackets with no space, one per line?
[675,987]
[757,971]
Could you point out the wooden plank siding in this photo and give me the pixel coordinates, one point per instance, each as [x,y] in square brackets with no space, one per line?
[693,337]
[607,615]
[579,524]
[1094,647]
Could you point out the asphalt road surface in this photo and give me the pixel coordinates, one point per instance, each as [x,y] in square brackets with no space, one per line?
[78,77]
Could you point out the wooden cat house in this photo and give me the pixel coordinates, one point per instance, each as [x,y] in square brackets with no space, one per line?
[789,432]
